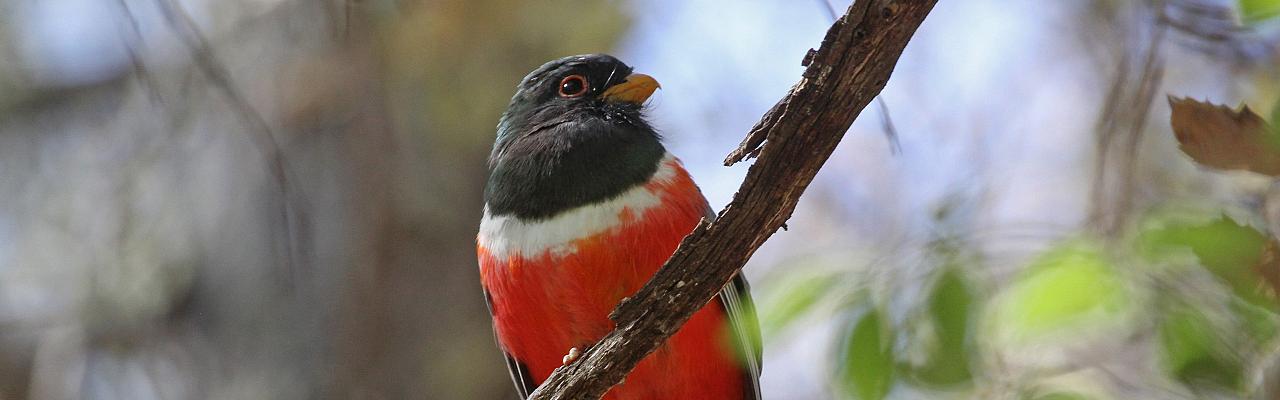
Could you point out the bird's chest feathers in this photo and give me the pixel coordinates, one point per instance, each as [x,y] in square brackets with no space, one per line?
[575,266]
[669,198]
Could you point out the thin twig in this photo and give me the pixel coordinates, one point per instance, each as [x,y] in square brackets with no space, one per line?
[830,9]
[886,124]
[1125,106]
[130,43]
[1152,75]
[1105,129]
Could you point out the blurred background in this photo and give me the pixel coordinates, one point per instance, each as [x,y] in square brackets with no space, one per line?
[277,199]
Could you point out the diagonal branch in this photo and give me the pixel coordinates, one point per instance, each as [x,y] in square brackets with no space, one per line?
[849,69]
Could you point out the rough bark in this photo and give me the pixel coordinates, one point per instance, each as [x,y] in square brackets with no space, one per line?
[793,140]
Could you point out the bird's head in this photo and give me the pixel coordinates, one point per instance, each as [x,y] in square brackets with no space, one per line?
[591,89]
[572,134]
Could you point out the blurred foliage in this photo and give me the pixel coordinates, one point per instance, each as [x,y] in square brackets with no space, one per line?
[947,358]
[1070,285]
[1260,324]
[1253,11]
[866,364]
[1275,117]
[1060,396]
[1230,250]
[1068,291]
[797,294]
[1193,352]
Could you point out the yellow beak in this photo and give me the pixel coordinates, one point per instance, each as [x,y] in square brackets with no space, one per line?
[636,89]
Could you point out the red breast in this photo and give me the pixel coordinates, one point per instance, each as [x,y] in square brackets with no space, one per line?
[552,284]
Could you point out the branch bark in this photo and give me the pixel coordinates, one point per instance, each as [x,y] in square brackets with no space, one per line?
[793,140]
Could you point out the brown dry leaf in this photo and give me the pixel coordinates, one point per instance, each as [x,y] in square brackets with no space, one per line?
[1218,137]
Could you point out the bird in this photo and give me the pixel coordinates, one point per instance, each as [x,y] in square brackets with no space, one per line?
[583,204]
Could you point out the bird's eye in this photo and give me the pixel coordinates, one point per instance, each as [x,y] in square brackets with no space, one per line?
[573,86]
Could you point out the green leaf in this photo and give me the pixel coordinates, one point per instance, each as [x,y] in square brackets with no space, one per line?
[866,370]
[1226,248]
[1192,352]
[1061,396]
[1067,286]
[1221,244]
[1261,325]
[950,306]
[1253,11]
[797,296]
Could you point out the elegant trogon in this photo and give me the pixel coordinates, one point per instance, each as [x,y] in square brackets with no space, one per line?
[582,206]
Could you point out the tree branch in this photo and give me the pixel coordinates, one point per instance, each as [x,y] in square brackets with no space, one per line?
[849,69]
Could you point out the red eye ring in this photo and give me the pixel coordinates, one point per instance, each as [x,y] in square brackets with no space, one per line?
[573,86]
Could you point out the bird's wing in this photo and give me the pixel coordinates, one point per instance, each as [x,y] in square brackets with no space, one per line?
[520,376]
[736,298]
[519,372]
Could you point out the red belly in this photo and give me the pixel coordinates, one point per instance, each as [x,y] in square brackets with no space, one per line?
[547,304]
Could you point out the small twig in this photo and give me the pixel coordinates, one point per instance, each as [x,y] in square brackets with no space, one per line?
[1105,129]
[1125,105]
[886,124]
[830,9]
[855,60]
[139,67]
[1152,75]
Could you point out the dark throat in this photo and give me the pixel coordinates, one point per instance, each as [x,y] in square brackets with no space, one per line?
[570,164]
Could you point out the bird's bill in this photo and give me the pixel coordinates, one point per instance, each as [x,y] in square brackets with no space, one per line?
[635,89]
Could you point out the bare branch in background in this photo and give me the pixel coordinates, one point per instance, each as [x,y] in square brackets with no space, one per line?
[1214,29]
[886,124]
[853,64]
[293,217]
[139,67]
[1152,75]
[830,9]
[1125,105]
